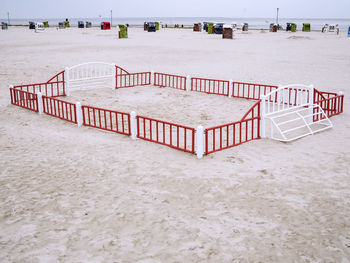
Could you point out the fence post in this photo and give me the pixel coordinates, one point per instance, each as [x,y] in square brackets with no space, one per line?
[311,104]
[66,80]
[152,78]
[278,94]
[262,117]
[79,114]
[114,76]
[12,95]
[188,83]
[133,125]
[200,141]
[40,102]
[230,88]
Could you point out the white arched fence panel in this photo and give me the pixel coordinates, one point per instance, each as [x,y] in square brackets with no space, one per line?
[90,75]
[291,113]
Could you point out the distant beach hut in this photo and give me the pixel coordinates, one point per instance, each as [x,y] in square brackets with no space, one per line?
[145,26]
[157,25]
[88,24]
[291,27]
[39,27]
[234,25]
[306,27]
[123,31]
[210,28]
[245,27]
[61,25]
[218,28]
[334,28]
[349,31]
[105,25]
[46,24]
[151,27]
[4,26]
[325,28]
[205,26]
[197,27]
[330,28]
[31,25]
[66,23]
[227,32]
[273,27]
[80,24]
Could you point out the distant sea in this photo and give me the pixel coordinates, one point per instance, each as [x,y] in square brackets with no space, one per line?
[254,23]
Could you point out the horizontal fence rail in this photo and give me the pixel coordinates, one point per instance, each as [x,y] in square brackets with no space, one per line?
[170,134]
[108,120]
[60,109]
[250,90]
[24,99]
[233,134]
[171,81]
[133,79]
[210,86]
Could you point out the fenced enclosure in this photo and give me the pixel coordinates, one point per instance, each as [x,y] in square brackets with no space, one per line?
[289,112]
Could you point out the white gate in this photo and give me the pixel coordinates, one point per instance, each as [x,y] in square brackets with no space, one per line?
[289,113]
[90,75]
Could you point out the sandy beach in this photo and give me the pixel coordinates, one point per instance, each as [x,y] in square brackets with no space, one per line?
[70,194]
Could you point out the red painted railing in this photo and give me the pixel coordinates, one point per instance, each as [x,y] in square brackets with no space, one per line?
[232,134]
[211,86]
[170,134]
[250,90]
[171,81]
[331,103]
[133,79]
[120,70]
[24,99]
[60,109]
[55,87]
[108,120]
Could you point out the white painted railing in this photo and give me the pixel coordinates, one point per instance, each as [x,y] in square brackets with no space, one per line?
[284,98]
[291,113]
[90,75]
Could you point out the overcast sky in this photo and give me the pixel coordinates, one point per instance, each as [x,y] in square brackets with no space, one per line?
[176,8]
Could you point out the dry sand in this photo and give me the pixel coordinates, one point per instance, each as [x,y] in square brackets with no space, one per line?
[73,194]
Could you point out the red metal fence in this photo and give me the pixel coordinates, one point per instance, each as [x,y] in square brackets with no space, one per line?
[250,90]
[54,87]
[331,103]
[24,99]
[170,134]
[133,79]
[233,134]
[120,70]
[108,120]
[211,86]
[171,81]
[60,109]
